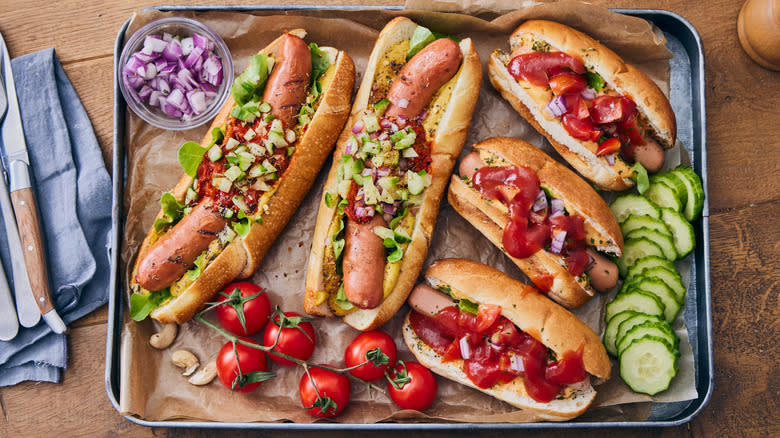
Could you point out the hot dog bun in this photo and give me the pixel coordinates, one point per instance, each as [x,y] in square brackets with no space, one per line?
[490,217]
[539,317]
[446,139]
[241,257]
[530,100]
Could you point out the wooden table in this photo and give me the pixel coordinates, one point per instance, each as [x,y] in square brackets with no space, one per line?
[744,197]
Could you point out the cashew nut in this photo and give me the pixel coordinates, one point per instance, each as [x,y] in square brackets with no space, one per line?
[205,375]
[164,338]
[186,361]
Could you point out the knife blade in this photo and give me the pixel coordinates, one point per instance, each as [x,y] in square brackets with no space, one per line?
[9,326]
[17,165]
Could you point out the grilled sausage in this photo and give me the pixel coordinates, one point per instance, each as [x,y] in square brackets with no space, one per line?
[286,87]
[422,76]
[602,271]
[173,254]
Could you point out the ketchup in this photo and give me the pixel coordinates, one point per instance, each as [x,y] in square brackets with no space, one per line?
[497,351]
[528,231]
[586,118]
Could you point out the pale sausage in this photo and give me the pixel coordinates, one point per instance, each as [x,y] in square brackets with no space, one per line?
[364,263]
[603,272]
[470,164]
[427,300]
[651,155]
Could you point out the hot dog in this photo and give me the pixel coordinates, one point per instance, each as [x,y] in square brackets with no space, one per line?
[601,114]
[477,326]
[548,220]
[259,159]
[390,168]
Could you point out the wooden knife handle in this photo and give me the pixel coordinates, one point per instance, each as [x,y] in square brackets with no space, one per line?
[32,246]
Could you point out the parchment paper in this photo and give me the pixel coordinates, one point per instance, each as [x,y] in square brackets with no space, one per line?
[151,388]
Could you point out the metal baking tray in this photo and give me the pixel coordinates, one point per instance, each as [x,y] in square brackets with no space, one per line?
[687,97]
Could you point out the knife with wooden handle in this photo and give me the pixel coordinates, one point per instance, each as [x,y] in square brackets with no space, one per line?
[23,200]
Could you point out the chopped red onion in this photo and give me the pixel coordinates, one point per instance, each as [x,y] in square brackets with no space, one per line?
[516,364]
[186,46]
[465,348]
[559,237]
[541,201]
[348,148]
[383,136]
[422,115]
[367,171]
[403,103]
[197,100]
[389,209]
[154,44]
[588,94]
[556,207]
[393,127]
[193,57]
[383,171]
[610,159]
[403,164]
[145,92]
[385,123]
[357,128]
[360,211]
[176,98]
[557,106]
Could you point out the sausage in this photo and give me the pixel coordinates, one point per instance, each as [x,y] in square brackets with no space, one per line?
[603,272]
[364,263]
[422,76]
[470,164]
[286,87]
[427,300]
[651,155]
[173,254]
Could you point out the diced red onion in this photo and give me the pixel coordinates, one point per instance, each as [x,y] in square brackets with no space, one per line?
[173,50]
[559,237]
[588,94]
[403,164]
[144,58]
[186,46]
[134,81]
[360,211]
[383,136]
[160,64]
[414,210]
[403,103]
[388,208]
[383,171]
[154,44]
[145,92]
[348,148]
[516,364]
[610,159]
[167,37]
[385,123]
[163,86]
[197,100]
[393,127]
[176,98]
[465,348]
[401,120]
[422,115]
[357,128]
[556,207]
[541,201]
[193,57]
[154,98]
[200,42]
[367,171]
[557,106]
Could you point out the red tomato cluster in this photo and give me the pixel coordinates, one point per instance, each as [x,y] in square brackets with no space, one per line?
[244,310]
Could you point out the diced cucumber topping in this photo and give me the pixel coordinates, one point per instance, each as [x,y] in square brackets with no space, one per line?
[231,144]
[234,174]
[222,184]
[648,365]
[644,263]
[663,196]
[634,222]
[695,191]
[610,332]
[214,153]
[371,123]
[663,240]
[683,236]
[627,205]
[637,301]
[635,249]
[639,331]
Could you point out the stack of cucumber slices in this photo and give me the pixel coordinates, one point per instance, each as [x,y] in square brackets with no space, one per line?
[656,231]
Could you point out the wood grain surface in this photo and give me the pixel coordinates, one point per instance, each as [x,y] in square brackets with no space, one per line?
[743,149]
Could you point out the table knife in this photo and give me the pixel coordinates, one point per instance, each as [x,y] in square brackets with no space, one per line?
[17,164]
[9,326]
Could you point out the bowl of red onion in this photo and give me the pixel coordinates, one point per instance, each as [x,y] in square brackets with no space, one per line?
[175,73]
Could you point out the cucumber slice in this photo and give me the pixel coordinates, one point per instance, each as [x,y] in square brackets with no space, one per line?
[683,235]
[673,181]
[662,330]
[637,301]
[648,262]
[610,332]
[627,205]
[670,278]
[663,292]
[695,191]
[663,196]
[664,241]
[634,321]
[648,365]
[634,222]
[635,249]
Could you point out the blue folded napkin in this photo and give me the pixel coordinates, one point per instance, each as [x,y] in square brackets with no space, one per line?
[73,191]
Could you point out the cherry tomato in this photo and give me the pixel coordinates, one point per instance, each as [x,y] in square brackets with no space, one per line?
[239,306]
[374,345]
[412,386]
[568,370]
[250,360]
[610,146]
[297,338]
[567,83]
[537,67]
[582,129]
[330,396]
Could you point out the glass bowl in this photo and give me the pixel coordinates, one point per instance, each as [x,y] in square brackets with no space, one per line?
[182,27]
